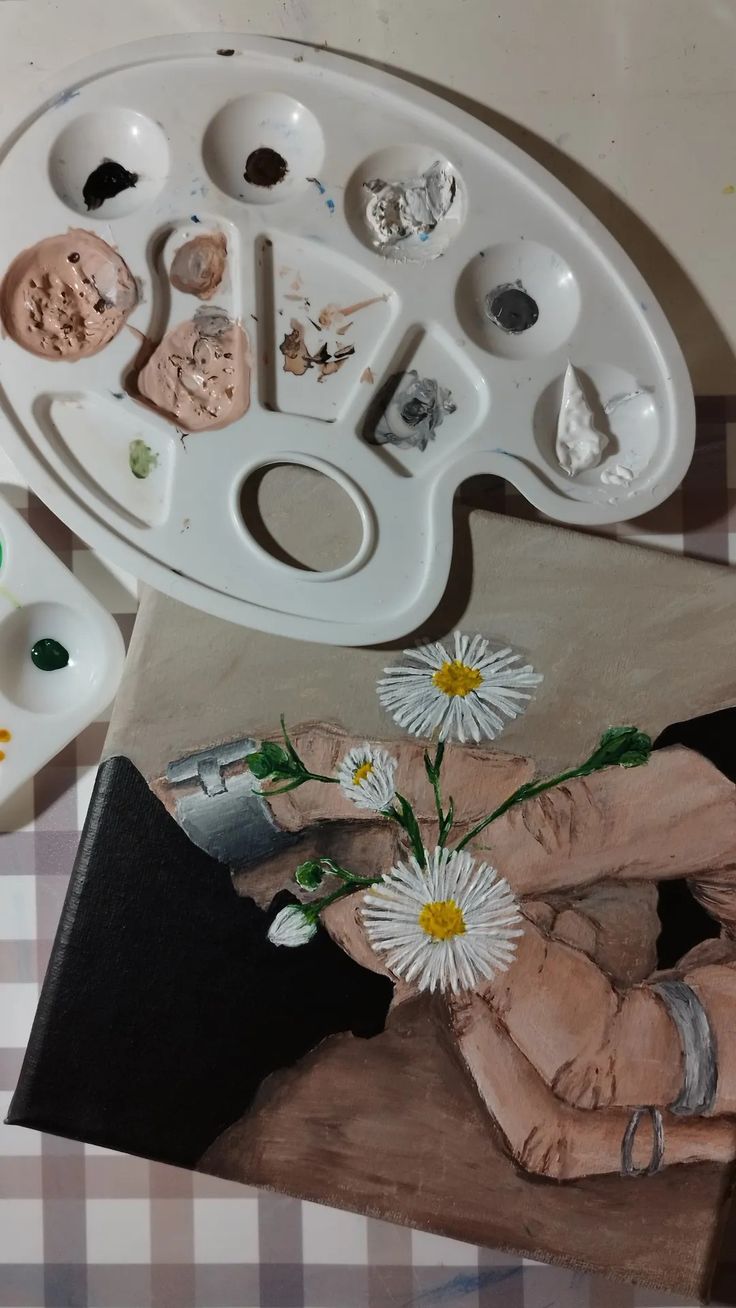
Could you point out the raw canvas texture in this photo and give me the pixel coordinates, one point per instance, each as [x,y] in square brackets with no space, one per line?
[621,634]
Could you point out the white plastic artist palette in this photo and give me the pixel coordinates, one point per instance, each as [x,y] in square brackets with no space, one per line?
[61,654]
[412,288]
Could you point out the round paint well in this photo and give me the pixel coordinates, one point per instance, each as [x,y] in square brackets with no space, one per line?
[93,158]
[518,300]
[623,408]
[397,166]
[53,689]
[263,148]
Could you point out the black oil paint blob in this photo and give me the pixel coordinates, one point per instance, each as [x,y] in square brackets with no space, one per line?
[49,655]
[106,180]
[512,308]
[265,167]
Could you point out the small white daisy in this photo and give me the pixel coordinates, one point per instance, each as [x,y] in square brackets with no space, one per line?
[292,927]
[463,695]
[366,776]
[446,926]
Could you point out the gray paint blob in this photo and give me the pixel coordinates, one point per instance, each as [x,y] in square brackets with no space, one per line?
[512,308]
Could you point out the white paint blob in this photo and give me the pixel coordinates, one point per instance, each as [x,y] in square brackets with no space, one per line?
[412,207]
[619,475]
[579,444]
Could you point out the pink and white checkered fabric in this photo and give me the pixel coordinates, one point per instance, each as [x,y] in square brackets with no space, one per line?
[83,1227]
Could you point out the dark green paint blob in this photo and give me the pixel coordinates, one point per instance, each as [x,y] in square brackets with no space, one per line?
[49,655]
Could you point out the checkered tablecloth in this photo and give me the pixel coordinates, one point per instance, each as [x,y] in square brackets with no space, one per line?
[82,1226]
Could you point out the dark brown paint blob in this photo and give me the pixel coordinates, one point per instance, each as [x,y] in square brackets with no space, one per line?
[265,167]
[106,180]
[512,309]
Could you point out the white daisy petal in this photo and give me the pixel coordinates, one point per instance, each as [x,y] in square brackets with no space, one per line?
[366,776]
[444,926]
[462,691]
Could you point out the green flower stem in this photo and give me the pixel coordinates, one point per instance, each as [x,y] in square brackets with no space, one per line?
[433,768]
[620,746]
[345,875]
[313,910]
[294,784]
[524,792]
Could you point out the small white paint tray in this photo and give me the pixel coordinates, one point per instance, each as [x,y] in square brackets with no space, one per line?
[61,654]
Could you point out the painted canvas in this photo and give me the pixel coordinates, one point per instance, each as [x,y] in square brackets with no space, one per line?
[443,933]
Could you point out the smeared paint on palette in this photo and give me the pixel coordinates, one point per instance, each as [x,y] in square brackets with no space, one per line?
[67,297]
[298,358]
[407,411]
[5,737]
[327,354]
[199,265]
[199,375]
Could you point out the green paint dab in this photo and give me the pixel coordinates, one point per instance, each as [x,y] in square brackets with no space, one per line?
[49,655]
[141,458]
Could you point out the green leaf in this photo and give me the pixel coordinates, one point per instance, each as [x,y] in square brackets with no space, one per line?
[626,747]
[271,760]
[290,748]
[433,766]
[309,875]
[447,821]
[408,821]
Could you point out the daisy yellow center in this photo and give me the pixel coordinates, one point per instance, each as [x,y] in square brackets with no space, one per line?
[360,774]
[442,919]
[456,678]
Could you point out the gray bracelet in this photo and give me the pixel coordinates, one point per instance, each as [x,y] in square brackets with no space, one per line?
[699,1065]
[627,1144]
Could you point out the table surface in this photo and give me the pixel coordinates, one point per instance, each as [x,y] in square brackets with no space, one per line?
[632,106]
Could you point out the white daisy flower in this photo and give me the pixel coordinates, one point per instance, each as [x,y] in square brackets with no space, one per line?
[446,926]
[292,927]
[464,694]
[366,776]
